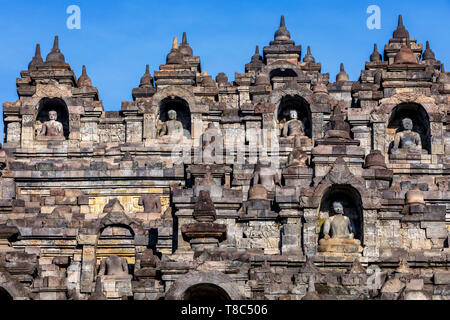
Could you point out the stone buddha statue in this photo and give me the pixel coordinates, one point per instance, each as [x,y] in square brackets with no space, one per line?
[407,140]
[171,130]
[338,233]
[298,157]
[338,224]
[293,127]
[151,203]
[266,175]
[52,127]
[212,145]
[114,267]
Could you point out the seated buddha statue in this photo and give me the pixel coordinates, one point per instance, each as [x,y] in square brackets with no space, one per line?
[407,141]
[293,127]
[171,130]
[338,235]
[52,127]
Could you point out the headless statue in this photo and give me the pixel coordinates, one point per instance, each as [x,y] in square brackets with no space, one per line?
[338,224]
[266,175]
[52,128]
[212,145]
[407,140]
[293,127]
[151,203]
[114,266]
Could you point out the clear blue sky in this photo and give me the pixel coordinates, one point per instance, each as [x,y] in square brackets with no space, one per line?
[117,38]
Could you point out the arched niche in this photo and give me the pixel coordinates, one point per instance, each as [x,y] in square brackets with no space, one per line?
[206,292]
[353,208]
[419,117]
[180,106]
[116,240]
[295,102]
[220,285]
[282,73]
[58,105]
[4,295]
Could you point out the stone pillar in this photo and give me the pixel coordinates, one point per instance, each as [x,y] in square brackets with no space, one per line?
[149,127]
[13,131]
[88,262]
[133,129]
[291,235]
[310,232]
[27,130]
[362,133]
[379,136]
[196,128]
[317,125]
[89,130]
[370,233]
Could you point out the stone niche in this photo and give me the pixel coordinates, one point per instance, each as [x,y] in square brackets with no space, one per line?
[420,120]
[52,104]
[181,107]
[351,200]
[301,106]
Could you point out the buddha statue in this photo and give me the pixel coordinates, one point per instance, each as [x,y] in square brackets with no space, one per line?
[293,127]
[407,140]
[151,203]
[212,145]
[114,267]
[266,175]
[171,130]
[298,157]
[338,236]
[338,224]
[52,127]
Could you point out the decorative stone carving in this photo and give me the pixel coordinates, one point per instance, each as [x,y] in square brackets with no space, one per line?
[375,160]
[258,192]
[204,233]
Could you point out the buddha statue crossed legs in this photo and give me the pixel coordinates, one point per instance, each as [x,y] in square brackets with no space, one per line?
[338,234]
[407,141]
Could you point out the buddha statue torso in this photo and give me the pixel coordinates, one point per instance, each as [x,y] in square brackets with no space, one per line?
[114,266]
[293,127]
[52,127]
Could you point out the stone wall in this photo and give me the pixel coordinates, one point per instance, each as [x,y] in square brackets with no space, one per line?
[232,197]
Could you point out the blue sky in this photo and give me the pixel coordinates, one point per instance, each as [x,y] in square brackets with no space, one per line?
[118,38]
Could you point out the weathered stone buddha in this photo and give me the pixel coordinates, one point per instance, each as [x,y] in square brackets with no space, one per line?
[407,141]
[212,145]
[298,157]
[293,127]
[266,175]
[52,127]
[114,267]
[151,203]
[171,130]
[338,224]
[338,233]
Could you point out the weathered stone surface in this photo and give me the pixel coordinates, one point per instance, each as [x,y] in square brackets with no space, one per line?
[224,189]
